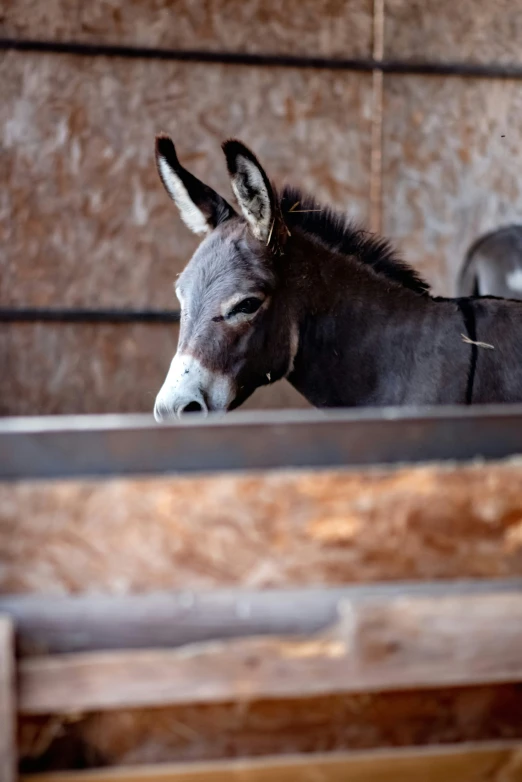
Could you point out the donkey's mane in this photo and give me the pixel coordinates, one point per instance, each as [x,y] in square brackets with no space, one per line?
[337,233]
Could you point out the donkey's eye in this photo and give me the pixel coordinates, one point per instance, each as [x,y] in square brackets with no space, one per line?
[246,307]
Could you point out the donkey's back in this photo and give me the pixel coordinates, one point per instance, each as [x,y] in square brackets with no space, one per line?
[493,265]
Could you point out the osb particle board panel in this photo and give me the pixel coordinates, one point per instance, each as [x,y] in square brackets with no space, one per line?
[76,368]
[306,27]
[265,529]
[452,153]
[474,30]
[84,219]
[258,728]
[48,369]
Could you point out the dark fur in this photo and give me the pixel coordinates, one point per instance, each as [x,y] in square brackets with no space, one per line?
[341,236]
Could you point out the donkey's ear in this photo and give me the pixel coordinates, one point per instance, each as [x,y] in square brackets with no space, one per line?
[201,208]
[251,187]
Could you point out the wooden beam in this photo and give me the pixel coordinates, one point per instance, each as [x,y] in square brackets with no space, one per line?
[496,762]
[83,623]
[388,643]
[7,702]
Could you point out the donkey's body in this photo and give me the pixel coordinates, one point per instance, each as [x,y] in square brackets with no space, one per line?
[370,333]
[493,265]
[291,290]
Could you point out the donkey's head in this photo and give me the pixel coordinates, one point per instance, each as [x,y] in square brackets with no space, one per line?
[236,333]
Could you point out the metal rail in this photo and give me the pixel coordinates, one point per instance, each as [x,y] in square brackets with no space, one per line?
[74,446]
[365,64]
[84,315]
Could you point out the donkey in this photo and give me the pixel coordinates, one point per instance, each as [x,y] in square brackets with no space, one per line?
[288,289]
[493,265]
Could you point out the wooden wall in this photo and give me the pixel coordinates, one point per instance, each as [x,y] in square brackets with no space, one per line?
[251,531]
[84,221]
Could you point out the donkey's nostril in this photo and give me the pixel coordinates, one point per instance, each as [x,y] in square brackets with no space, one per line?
[192,407]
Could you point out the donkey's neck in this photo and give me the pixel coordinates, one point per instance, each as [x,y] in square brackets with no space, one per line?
[365,340]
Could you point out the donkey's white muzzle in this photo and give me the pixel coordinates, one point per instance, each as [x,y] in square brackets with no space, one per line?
[191,388]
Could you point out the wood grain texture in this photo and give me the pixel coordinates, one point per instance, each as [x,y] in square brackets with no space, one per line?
[8,753]
[474,30]
[309,27]
[473,763]
[265,529]
[386,644]
[259,728]
[84,219]
[451,156]
[48,369]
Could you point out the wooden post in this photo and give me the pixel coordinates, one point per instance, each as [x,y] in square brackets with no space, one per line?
[7,702]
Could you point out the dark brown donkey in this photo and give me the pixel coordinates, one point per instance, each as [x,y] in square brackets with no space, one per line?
[287,289]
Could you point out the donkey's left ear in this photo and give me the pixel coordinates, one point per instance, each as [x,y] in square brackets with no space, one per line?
[201,208]
[251,187]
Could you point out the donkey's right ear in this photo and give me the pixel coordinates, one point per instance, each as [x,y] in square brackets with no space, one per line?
[252,188]
[201,208]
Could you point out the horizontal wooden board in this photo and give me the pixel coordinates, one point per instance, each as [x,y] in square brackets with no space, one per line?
[266,529]
[386,643]
[63,625]
[466,763]
[201,732]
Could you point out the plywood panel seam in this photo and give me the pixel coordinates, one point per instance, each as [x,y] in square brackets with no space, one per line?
[377,119]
